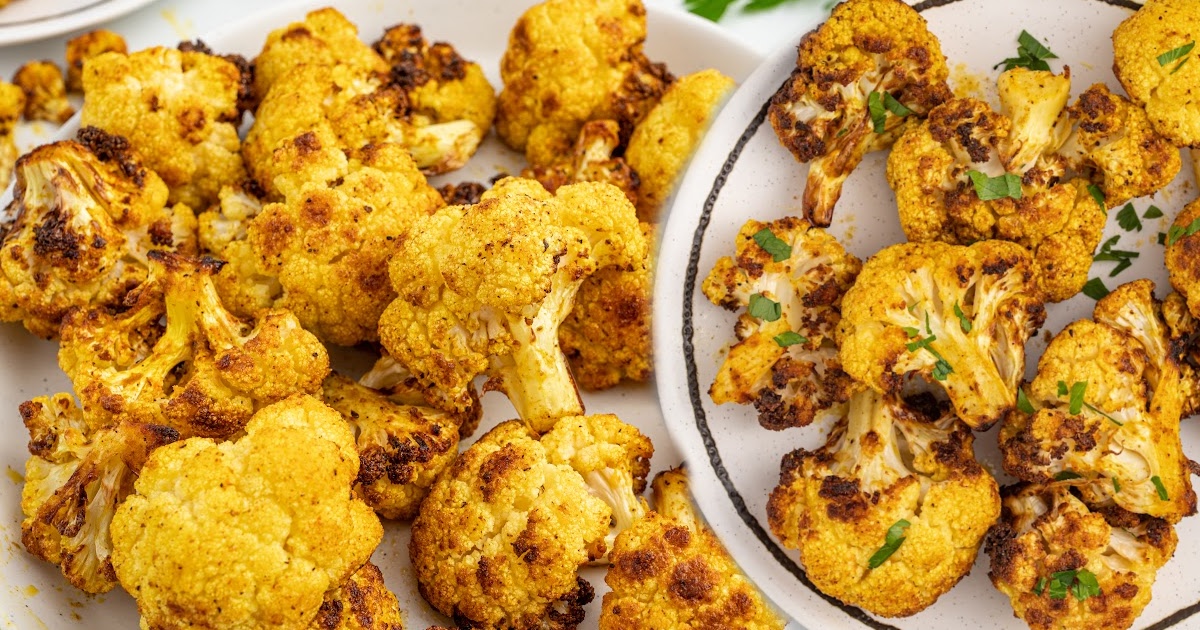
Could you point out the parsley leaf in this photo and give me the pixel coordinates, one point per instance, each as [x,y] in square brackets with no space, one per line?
[1085,585]
[912,332]
[1030,54]
[1077,390]
[963,322]
[1127,218]
[919,344]
[1116,485]
[764,308]
[990,188]
[1176,53]
[879,104]
[1123,258]
[1023,402]
[1177,232]
[1079,582]
[1158,485]
[1040,587]
[1153,212]
[710,9]
[1098,195]
[1067,475]
[892,542]
[878,113]
[1095,289]
[895,106]
[1110,418]
[790,338]
[942,369]
[1062,389]
[773,245]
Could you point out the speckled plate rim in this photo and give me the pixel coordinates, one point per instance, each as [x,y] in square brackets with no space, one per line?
[681,393]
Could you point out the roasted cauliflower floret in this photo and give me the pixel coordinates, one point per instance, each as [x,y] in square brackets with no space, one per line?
[362,602]
[663,142]
[441,86]
[1182,325]
[238,534]
[12,104]
[1066,566]
[206,373]
[402,448]
[869,58]
[888,515]
[670,571]
[45,92]
[484,288]
[84,47]
[400,386]
[614,459]
[1152,50]
[571,61]
[607,335]
[790,278]
[322,251]
[930,169]
[1183,255]
[1107,401]
[1114,145]
[179,110]
[956,316]
[522,527]
[324,38]
[591,160]
[74,481]
[435,104]
[86,215]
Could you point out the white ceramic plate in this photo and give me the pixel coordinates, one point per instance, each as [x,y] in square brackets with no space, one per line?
[741,171]
[29,20]
[33,594]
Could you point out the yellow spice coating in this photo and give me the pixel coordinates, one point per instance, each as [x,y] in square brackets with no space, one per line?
[236,534]
[1170,92]
[663,142]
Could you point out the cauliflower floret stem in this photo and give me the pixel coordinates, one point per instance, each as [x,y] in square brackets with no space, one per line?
[535,375]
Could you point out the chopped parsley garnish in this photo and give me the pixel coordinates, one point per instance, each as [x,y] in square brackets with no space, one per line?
[912,332]
[1176,53]
[1176,232]
[1030,54]
[1158,485]
[879,104]
[764,308]
[1123,258]
[1128,219]
[895,537]
[1078,388]
[1040,587]
[963,322]
[1079,582]
[1078,403]
[1067,475]
[773,245]
[790,338]
[1098,195]
[1023,402]
[991,188]
[1153,212]
[1116,485]
[942,368]
[1095,289]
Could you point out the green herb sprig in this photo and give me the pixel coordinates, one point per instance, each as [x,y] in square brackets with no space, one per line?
[1031,54]
[991,188]
[892,542]
[1123,258]
[1181,52]
[773,245]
